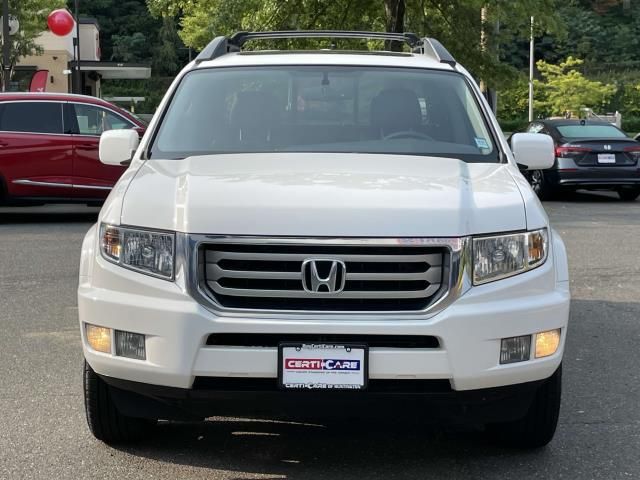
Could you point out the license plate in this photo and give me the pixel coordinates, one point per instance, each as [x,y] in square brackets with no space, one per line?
[304,366]
[606,158]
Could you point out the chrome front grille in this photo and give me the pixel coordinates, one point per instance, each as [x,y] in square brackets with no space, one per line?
[273,276]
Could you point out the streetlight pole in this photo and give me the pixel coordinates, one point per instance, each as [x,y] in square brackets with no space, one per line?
[77,83]
[531,66]
[6,46]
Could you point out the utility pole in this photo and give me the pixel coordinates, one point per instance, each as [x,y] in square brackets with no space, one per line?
[77,83]
[6,46]
[531,66]
[483,44]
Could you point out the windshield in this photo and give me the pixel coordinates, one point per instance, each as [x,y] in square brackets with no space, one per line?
[324,109]
[590,131]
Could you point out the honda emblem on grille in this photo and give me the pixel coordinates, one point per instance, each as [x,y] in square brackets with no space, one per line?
[321,275]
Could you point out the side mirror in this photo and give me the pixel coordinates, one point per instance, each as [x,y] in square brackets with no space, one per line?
[535,151]
[118,146]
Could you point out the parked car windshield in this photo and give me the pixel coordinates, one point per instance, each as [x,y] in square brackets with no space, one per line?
[590,131]
[324,109]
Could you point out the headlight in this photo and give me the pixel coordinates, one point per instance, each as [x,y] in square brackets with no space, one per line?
[141,250]
[503,256]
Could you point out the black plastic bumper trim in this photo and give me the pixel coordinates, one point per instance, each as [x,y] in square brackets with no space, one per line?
[251,397]
[272,340]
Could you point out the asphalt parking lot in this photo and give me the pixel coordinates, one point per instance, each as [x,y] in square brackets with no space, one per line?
[43,432]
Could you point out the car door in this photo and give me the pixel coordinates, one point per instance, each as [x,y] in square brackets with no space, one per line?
[91,178]
[36,157]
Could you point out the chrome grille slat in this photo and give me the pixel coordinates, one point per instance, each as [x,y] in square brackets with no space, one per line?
[302,294]
[269,276]
[214,272]
[432,275]
[215,256]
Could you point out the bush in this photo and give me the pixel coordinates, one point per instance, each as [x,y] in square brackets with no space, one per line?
[631,125]
[513,125]
[152,89]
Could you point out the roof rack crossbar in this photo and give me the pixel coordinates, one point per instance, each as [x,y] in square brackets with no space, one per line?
[240,38]
[427,46]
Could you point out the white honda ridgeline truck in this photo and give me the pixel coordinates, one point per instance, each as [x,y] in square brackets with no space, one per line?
[321,230]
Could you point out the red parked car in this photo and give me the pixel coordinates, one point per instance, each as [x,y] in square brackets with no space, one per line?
[49,148]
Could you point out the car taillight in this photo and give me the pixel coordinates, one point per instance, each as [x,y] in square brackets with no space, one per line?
[634,152]
[571,152]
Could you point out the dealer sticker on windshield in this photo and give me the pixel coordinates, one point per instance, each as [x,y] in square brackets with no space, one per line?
[322,367]
[481,143]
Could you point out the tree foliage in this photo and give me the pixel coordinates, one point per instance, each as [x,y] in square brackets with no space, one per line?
[129,33]
[597,34]
[456,23]
[32,15]
[130,48]
[204,19]
[513,100]
[564,89]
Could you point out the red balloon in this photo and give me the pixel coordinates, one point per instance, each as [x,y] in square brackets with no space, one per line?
[60,22]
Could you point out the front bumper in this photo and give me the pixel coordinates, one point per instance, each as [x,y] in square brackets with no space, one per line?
[177,327]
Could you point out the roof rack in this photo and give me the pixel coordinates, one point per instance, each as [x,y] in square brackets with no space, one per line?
[434,49]
[240,38]
[427,46]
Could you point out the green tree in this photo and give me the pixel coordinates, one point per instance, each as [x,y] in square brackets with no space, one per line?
[165,56]
[130,48]
[32,15]
[457,23]
[564,89]
[201,20]
[122,23]
[513,100]
[129,33]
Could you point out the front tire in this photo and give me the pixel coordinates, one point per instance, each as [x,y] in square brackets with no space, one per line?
[105,421]
[3,191]
[537,427]
[540,184]
[629,194]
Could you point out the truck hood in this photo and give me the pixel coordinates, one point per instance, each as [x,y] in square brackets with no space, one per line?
[319,194]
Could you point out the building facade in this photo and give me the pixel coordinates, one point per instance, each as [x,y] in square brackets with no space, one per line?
[59,61]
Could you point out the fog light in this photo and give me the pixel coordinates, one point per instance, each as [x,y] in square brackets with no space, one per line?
[547,343]
[515,349]
[130,345]
[99,338]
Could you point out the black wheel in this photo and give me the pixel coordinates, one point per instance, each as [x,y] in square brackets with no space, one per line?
[540,184]
[3,191]
[538,426]
[629,194]
[105,421]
